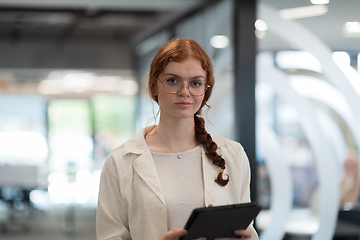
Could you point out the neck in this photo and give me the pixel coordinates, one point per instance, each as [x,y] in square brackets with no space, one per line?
[177,135]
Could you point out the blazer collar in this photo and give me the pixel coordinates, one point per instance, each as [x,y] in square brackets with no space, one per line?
[136,144]
[220,141]
[144,165]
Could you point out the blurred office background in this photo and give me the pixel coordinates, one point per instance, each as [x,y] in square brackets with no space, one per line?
[73,78]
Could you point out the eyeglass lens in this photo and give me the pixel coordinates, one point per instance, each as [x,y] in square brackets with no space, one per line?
[196,87]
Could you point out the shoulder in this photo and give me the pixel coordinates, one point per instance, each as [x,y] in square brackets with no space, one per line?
[225,142]
[232,151]
[133,147]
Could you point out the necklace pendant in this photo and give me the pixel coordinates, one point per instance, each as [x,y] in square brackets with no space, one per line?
[179,156]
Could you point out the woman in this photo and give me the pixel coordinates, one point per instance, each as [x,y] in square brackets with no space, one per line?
[150,184]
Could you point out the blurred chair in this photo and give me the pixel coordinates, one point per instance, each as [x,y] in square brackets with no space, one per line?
[16,182]
[348,225]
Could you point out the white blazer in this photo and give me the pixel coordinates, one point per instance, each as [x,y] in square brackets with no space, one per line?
[131,205]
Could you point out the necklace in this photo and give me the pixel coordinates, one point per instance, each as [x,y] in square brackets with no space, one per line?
[178,155]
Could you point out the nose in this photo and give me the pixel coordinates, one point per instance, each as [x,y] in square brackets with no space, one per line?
[185,90]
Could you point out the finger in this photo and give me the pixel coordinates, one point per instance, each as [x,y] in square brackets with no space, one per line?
[174,233]
[243,233]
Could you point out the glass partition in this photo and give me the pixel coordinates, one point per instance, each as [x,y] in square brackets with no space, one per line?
[307,110]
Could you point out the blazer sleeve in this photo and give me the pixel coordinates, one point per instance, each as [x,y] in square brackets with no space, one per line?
[246,173]
[239,165]
[111,217]
[245,195]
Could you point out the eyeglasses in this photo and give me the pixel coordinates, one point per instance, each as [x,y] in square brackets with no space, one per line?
[174,86]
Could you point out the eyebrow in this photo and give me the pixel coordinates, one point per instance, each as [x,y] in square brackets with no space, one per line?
[174,75]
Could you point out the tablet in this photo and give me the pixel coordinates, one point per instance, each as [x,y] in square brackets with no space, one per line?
[220,221]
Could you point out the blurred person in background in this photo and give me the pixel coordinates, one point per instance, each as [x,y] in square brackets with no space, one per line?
[350,182]
[150,184]
[349,214]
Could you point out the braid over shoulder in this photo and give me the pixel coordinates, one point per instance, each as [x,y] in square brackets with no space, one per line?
[203,137]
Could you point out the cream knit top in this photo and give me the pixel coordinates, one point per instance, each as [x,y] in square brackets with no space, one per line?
[182,184]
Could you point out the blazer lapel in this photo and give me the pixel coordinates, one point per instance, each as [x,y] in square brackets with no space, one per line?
[210,172]
[143,162]
[145,167]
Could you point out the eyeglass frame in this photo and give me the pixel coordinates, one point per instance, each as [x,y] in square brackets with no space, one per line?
[182,85]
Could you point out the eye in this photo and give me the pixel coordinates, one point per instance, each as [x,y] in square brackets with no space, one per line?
[172,81]
[196,83]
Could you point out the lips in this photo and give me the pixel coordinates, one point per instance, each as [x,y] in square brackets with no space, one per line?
[183,104]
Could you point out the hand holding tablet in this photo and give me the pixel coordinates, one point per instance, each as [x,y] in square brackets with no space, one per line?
[220,221]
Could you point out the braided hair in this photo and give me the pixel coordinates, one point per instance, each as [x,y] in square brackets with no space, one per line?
[203,137]
[178,50]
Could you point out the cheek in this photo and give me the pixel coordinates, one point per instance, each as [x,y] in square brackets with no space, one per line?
[199,100]
[164,98]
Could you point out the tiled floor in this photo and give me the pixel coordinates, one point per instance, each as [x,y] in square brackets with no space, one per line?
[59,223]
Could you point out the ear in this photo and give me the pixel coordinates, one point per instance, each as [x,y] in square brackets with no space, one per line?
[154,90]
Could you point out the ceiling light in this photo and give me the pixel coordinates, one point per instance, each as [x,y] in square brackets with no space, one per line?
[303,12]
[219,41]
[260,28]
[319,1]
[261,25]
[69,80]
[351,30]
[352,27]
[49,87]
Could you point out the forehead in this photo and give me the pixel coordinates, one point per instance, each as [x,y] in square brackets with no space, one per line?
[190,67]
